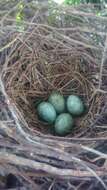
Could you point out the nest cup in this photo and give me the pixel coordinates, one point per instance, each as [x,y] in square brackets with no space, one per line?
[46,59]
[64,53]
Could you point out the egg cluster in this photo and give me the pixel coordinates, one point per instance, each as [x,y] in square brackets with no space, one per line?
[60,112]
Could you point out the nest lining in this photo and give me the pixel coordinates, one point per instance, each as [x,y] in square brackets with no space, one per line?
[45,60]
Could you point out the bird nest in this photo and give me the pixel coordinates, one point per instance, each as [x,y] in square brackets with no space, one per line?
[70,58]
[45,60]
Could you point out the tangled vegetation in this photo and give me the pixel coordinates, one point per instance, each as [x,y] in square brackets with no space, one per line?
[44,48]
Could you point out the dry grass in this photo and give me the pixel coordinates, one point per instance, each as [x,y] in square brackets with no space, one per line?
[69,57]
[47,59]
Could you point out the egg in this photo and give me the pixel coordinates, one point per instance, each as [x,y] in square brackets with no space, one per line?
[46,112]
[58,101]
[63,125]
[75,105]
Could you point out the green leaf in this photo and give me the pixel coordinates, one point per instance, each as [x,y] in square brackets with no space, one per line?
[72,2]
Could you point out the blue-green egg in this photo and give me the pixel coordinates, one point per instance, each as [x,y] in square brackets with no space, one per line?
[64,124]
[46,112]
[58,101]
[75,105]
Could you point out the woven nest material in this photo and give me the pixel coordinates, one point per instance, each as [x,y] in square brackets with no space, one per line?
[68,56]
[47,59]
